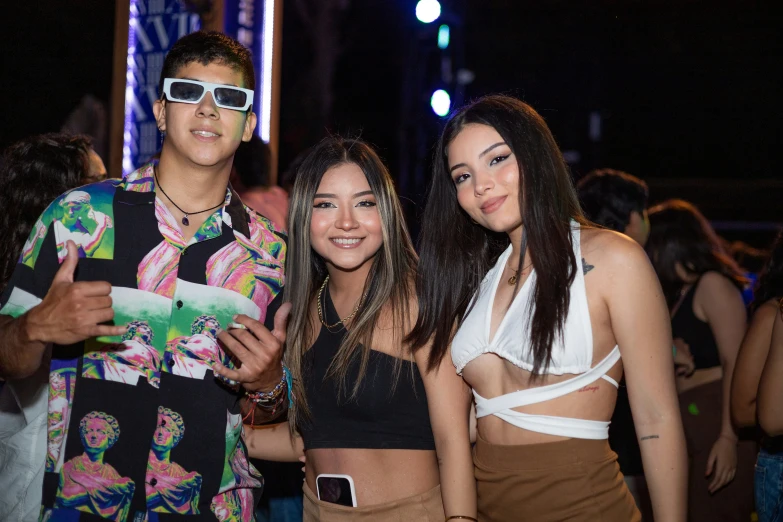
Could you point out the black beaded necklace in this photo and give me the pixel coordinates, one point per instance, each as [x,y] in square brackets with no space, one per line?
[185,220]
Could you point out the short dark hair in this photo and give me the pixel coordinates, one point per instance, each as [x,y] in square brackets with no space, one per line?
[609,196]
[206,47]
[34,172]
[253,163]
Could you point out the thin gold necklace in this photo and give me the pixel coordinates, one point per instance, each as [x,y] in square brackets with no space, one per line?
[343,321]
[513,279]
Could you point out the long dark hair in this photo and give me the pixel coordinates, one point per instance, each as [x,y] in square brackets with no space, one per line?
[34,172]
[457,253]
[389,285]
[680,234]
[770,285]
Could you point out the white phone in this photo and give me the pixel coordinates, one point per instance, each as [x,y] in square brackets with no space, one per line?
[336,489]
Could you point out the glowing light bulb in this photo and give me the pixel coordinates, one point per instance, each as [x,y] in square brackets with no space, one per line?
[427,11]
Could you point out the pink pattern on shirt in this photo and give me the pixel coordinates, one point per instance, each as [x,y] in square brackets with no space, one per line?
[246,267]
[158,270]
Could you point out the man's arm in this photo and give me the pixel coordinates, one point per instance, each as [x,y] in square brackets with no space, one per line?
[69,313]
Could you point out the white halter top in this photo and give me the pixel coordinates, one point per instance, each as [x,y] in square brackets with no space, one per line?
[571,354]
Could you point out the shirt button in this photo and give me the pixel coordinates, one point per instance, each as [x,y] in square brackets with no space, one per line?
[153,482]
[180,304]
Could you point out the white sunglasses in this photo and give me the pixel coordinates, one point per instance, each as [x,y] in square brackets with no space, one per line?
[192,91]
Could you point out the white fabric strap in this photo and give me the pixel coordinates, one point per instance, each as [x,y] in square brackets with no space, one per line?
[610,381]
[559,426]
[519,398]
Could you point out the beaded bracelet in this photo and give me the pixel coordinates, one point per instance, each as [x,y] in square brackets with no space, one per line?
[267,399]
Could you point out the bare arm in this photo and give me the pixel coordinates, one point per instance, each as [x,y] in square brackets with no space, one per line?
[273,443]
[770,405]
[750,363]
[724,310]
[69,313]
[20,355]
[449,401]
[725,313]
[642,328]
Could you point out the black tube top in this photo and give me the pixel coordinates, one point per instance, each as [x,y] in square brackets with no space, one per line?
[695,332]
[378,418]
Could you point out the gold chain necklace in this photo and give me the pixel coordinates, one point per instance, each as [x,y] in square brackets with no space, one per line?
[320,311]
[513,279]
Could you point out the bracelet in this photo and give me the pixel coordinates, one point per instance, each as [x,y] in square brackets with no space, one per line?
[462,517]
[674,350]
[266,399]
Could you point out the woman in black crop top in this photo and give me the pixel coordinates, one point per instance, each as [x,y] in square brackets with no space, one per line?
[702,287]
[363,404]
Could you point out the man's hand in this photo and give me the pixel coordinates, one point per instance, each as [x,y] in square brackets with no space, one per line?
[71,312]
[258,350]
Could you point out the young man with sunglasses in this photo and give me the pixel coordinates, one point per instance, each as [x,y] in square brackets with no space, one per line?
[181,260]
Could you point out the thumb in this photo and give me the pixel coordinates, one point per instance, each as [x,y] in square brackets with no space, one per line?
[281,320]
[68,266]
[710,464]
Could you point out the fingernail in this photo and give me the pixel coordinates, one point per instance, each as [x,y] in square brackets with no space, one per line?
[234,317]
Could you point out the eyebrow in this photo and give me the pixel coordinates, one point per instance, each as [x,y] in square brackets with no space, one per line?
[334,196]
[483,153]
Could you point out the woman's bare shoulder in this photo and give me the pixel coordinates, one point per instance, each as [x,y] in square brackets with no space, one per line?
[612,249]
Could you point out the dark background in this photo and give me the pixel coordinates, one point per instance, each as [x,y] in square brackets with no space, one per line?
[688,92]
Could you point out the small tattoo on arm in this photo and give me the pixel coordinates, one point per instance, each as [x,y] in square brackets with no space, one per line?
[585,267]
[649,437]
[588,389]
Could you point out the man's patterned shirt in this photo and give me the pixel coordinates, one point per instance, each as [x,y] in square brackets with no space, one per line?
[139,428]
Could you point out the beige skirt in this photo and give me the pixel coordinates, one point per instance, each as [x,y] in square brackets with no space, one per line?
[577,480]
[426,507]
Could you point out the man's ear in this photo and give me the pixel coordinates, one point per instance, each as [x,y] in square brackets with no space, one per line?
[159,110]
[250,125]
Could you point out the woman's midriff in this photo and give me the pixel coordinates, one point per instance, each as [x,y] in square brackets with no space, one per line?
[496,377]
[699,378]
[379,476]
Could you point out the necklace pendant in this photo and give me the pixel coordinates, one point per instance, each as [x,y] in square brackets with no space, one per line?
[512,280]
[185,220]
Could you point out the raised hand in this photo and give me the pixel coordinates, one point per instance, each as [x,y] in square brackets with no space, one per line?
[72,312]
[258,350]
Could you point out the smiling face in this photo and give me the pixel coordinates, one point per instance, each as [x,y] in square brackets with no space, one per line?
[486,174]
[203,133]
[345,228]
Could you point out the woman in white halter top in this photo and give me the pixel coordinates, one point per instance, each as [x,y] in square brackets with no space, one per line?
[549,313]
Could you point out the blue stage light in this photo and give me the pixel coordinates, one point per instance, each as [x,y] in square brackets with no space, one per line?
[444,34]
[427,11]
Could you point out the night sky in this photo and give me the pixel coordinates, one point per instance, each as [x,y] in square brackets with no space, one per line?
[686,89]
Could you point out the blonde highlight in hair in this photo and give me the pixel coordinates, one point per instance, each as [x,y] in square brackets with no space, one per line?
[389,284]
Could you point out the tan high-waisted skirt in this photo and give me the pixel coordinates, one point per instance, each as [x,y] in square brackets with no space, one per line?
[574,480]
[426,507]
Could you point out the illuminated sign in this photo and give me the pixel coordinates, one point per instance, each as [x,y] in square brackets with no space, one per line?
[153,27]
